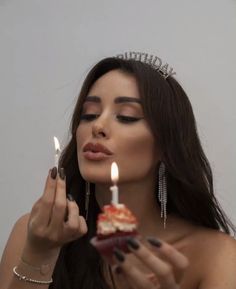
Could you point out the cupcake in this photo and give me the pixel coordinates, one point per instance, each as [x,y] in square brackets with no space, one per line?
[115,225]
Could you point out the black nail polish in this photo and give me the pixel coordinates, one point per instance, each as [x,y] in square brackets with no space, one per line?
[133,243]
[54,173]
[70,197]
[154,242]
[118,270]
[119,255]
[62,173]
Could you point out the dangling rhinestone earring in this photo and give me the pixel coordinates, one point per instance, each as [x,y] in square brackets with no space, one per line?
[162,191]
[87,196]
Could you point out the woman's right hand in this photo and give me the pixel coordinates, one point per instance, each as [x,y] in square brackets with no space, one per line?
[54,220]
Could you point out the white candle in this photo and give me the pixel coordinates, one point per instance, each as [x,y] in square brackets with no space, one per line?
[114,188]
[57,151]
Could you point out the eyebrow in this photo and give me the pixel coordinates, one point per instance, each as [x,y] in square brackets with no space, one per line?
[119,99]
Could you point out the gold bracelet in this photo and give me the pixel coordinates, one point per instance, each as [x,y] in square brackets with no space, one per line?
[26,279]
[43,269]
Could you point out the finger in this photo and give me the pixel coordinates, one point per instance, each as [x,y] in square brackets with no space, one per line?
[60,203]
[72,224]
[75,226]
[83,226]
[69,198]
[135,278]
[153,278]
[169,253]
[73,210]
[162,269]
[121,277]
[45,203]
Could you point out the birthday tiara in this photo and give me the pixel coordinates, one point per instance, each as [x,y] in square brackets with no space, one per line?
[154,61]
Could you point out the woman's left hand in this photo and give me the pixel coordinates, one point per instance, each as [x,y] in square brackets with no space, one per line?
[161,262]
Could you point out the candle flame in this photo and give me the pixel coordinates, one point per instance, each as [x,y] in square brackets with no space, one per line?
[57,144]
[114,172]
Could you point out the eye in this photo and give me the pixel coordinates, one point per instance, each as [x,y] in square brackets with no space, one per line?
[128,119]
[89,117]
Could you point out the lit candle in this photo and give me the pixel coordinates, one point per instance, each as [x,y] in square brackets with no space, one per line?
[57,151]
[114,188]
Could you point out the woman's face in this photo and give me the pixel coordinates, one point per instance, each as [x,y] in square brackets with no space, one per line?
[112,128]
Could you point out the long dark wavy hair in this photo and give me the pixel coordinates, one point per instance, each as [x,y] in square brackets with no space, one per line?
[190,186]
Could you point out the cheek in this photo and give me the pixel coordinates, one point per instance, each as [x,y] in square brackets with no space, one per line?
[81,133]
[137,154]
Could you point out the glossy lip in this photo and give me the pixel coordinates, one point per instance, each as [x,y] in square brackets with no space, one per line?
[96,151]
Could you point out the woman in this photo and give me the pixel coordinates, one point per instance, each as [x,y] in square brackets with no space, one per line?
[134,112]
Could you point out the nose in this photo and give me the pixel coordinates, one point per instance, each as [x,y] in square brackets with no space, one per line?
[100,128]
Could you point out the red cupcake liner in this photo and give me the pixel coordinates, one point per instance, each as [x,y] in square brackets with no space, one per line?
[106,245]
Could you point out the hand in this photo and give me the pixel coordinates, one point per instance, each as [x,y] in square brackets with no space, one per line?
[161,260]
[54,220]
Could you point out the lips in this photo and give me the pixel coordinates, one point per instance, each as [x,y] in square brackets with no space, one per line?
[96,151]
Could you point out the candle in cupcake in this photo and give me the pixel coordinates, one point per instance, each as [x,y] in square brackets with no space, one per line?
[115,224]
[114,188]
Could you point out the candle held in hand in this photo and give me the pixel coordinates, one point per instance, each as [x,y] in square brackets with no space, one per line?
[114,188]
[57,151]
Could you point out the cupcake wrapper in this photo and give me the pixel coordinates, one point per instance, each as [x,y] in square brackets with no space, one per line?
[106,246]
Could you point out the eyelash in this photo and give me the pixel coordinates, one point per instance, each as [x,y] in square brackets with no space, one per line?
[121,118]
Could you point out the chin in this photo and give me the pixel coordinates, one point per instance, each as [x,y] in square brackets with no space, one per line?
[95,172]
[95,176]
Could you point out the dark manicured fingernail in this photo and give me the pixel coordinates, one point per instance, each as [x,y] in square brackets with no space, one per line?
[70,197]
[54,173]
[62,173]
[118,270]
[154,242]
[133,243]
[119,255]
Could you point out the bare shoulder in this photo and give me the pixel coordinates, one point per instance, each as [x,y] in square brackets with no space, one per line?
[212,241]
[13,248]
[218,259]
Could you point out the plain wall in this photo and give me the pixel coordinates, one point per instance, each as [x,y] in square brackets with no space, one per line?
[47,48]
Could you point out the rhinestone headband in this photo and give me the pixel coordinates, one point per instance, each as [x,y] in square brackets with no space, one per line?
[154,61]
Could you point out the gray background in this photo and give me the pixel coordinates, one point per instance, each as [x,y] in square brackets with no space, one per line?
[46,49]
